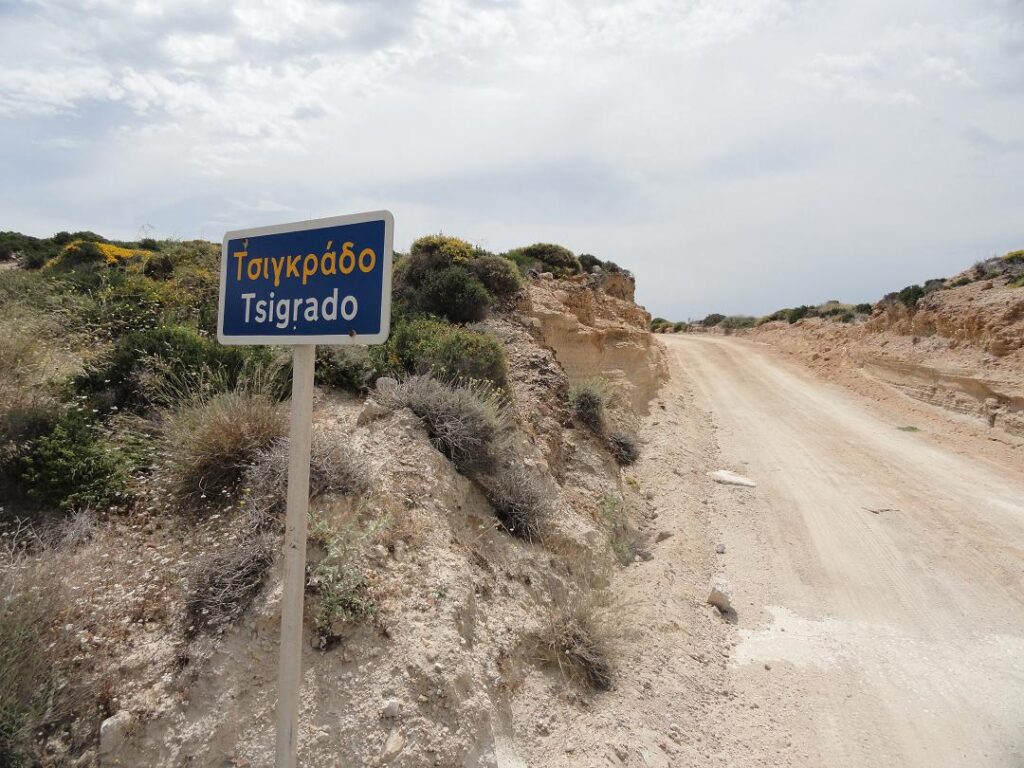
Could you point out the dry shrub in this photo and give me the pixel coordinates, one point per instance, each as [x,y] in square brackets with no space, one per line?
[209,445]
[588,400]
[223,583]
[465,421]
[624,447]
[33,695]
[573,639]
[626,541]
[333,468]
[27,409]
[520,501]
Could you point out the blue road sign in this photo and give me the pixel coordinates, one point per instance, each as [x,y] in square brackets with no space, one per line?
[325,281]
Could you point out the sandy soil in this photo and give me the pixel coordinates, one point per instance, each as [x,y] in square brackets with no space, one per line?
[877,573]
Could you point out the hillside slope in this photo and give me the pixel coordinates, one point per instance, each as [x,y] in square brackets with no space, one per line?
[960,347]
[467,516]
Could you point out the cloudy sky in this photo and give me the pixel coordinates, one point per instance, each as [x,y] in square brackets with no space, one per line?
[738,155]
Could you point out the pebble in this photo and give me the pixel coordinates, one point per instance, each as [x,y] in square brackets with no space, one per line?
[391,709]
[720,549]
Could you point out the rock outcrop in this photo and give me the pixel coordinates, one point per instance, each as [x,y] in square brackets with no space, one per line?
[595,329]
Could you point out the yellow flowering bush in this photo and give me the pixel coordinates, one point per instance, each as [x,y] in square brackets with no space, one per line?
[83,251]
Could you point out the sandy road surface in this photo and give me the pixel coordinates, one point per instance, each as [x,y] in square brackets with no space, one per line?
[872,638]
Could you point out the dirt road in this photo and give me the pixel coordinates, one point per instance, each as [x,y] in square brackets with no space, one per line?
[878,574]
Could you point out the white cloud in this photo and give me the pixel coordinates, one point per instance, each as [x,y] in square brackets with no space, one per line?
[191,50]
[764,146]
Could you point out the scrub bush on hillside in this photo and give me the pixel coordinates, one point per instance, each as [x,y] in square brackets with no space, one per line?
[546,257]
[423,345]
[465,421]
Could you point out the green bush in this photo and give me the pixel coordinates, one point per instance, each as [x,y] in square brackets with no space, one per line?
[908,297]
[71,468]
[146,367]
[546,257]
[346,368]
[712,320]
[32,251]
[736,322]
[423,345]
[453,293]
[444,248]
[159,266]
[589,262]
[864,309]
[497,274]
[798,313]
[122,303]
[1017,282]
[342,589]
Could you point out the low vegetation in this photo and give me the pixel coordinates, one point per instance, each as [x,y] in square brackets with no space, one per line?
[574,641]
[588,401]
[225,581]
[520,501]
[422,345]
[334,468]
[209,445]
[624,447]
[466,421]
[626,541]
[336,579]
[34,694]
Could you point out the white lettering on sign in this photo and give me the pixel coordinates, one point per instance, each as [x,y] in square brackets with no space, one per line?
[284,312]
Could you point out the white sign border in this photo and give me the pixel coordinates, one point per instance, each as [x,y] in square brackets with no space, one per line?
[302,226]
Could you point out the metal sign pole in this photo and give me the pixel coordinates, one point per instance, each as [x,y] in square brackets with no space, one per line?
[292,592]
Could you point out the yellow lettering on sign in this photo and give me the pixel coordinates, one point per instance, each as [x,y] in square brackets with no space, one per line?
[348,259]
[367,260]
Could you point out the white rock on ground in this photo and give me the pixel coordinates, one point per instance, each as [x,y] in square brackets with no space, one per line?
[392,746]
[726,477]
[371,412]
[721,595]
[113,732]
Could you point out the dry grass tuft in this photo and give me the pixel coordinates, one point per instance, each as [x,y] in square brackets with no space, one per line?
[224,582]
[210,445]
[466,421]
[588,400]
[624,447]
[333,468]
[573,640]
[32,643]
[520,501]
